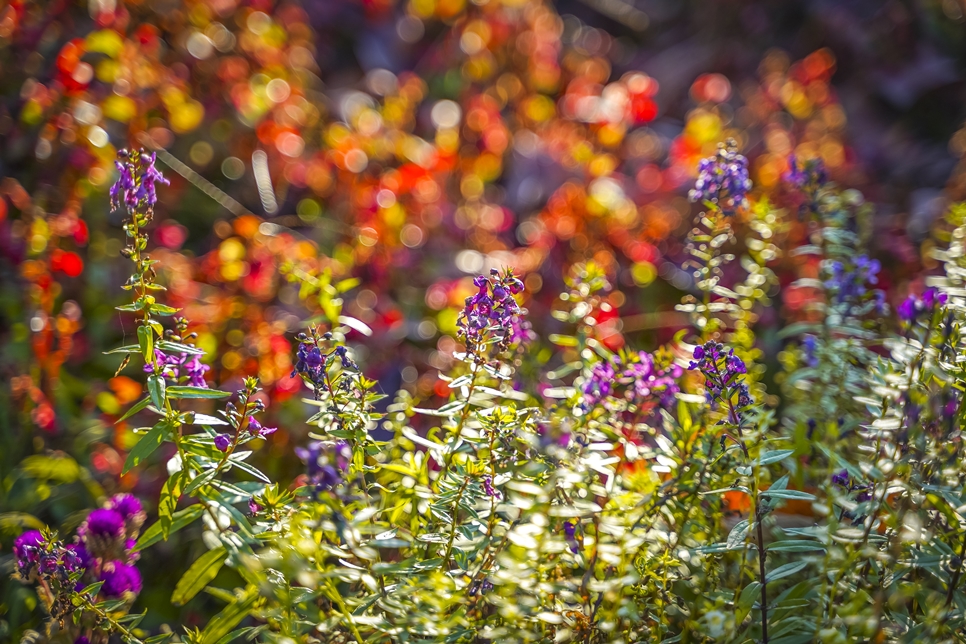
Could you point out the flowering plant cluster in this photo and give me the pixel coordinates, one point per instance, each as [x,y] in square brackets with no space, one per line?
[86,584]
[425,443]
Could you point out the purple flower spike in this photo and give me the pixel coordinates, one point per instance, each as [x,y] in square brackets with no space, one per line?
[723,179]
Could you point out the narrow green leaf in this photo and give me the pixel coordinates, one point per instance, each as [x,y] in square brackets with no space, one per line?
[146,343]
[168,502]
[135,409]
[785,571]
[767,458]
[177,347]
[146,446]
[179,391]
[738,533]
[156,386]
[199,575]
[223,623]
[788,494]
[794,545]
[179,520]
[749,594]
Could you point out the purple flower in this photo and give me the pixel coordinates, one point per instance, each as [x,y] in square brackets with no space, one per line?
[137,181]
[570,529]
[841,478]
[325,463]
[223,442]
[849,283]
[723,179]
[102,533]
[119,579]
[723,373]
[488,488]
[808,175]
[912,307]
[82,640]
[130,508]
[127,505]
[180,368]
[492,313]
[28,545]
[257,429]
[79,556]
[810,345]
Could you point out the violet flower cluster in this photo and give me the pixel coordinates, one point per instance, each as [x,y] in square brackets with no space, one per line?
[850,284]
[326,463]
[312,361]
[181,368]
[101,551]
[492,314]
[912,307]
[640,380]
[723,179]
[723,376]
[137,180]
[807,175]
[242,418]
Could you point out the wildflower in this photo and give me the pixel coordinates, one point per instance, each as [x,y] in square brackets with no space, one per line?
[27,547]
[102,533]
[807,175]
[599,385]
[492,313]
[722,373]
[181,368]
[326,463]
[810,345]
[130,509]
[841,478]
[488,487]
[257,429]
[715,622]
[311,361]
[120,579]
[570,530]
[723,179]
[137,180]
[912,306]
[223,442]
[849,284]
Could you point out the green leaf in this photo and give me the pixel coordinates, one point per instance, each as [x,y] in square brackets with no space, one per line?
[168,502]
[563,340]
[199,575]
[738,533]
[223,623]
[177,347]
[135,409]
[767,458]
[794,545]
[178,520]
[749,594]
[785,571]
[51,468]
[130,348]
[146,343]
[179,391]
[156,387]
[788,494]
[146,446]
[201,480]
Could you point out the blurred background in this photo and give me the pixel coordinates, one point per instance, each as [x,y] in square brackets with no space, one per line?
[406,146]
